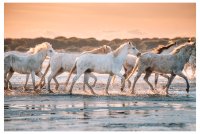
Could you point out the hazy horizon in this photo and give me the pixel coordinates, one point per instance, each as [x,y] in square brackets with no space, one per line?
[100,21]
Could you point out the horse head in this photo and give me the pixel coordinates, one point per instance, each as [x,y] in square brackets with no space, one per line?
[133,50]
[107,49]
[50,52]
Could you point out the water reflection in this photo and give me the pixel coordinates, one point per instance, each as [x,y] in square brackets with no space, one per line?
[93,114]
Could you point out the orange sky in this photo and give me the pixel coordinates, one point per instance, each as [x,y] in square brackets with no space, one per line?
[102,21]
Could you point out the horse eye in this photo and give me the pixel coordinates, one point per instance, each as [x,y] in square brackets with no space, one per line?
[133,48]
[50,50]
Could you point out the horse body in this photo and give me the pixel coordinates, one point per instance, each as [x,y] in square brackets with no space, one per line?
[91,62]
[110,63]
[172,63]
[63,62]
[26,64]
[131,60]
[191,63]
[157,62]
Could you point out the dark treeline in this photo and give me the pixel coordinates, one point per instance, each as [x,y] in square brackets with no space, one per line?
[74,44]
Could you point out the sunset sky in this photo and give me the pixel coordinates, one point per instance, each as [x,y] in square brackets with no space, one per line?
[102,21]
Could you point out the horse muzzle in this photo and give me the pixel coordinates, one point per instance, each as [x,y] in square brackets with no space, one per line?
[138,54]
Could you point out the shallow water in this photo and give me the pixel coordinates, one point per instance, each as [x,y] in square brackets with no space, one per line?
[105,113]
[61,112]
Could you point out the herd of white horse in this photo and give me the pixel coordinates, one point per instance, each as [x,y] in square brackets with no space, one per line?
[163,60]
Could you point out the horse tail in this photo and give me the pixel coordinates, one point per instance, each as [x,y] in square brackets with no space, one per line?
[70,73]
[134,69]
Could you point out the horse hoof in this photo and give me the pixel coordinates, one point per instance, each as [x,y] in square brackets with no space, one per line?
[187,90]
[70,92]
[94,94]
[106,93]
[9,90]
[154,91]
[50,91]
[37,91]
[56,88]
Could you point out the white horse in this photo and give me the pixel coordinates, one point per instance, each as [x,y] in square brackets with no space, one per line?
[29,64]
[110,63]
[63,62]
[131,60]
[191,63]
[172,63]
[29,52]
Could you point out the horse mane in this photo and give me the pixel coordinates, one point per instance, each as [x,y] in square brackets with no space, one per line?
[96,50]
[101,49]
[116,51]
[161,48]
[177,49]
[39,47]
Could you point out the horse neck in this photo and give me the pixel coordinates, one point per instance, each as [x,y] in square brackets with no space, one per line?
[167,51]
[40,56]
[122,54]
[99,50]
[183,55]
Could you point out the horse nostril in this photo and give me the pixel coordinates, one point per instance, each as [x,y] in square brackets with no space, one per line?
[138,54]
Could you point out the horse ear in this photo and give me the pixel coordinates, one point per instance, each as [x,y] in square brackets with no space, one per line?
[175,42]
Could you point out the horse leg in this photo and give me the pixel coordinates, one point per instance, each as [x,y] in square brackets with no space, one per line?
[73,82]
[54,78]
[57,84]
[156,79]
[94,77]
[33,79]
[53,74]
[10,74]
[169,82]
[135,80]
[27,77]
[146,77]
[186,80]
[86,76]
[10,85]
[108,83]
[43,77]
[49,81]
[165,76]
[128,72]
[40,75]
[123,81]
[85,80]
[193,71]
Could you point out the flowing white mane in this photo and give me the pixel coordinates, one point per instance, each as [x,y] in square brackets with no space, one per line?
[39,47]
